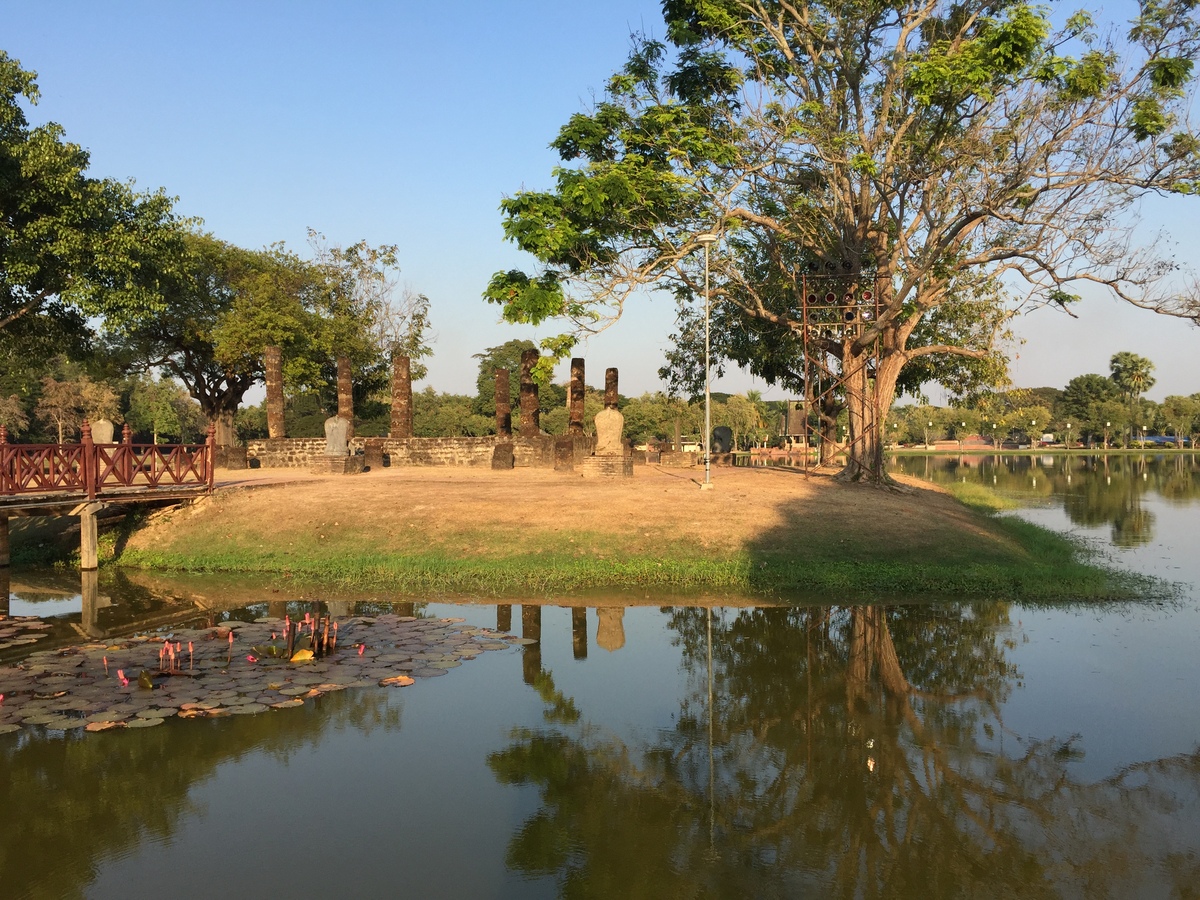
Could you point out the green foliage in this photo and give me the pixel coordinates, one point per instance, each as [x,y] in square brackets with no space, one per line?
[920,149]
[162,408]
[505,356]
[69,243]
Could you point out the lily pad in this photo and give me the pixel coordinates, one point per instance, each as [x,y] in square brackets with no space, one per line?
[143,723]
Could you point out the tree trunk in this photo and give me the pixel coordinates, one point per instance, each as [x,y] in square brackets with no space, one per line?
[226,433]
[868,402]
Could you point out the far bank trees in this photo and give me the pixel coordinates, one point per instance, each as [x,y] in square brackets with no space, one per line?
[962,160]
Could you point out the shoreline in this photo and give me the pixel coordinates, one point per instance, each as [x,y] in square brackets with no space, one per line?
[762,532]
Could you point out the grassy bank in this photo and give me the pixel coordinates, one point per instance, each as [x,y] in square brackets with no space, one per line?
[798,538]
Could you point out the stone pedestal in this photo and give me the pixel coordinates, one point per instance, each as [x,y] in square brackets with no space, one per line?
[678,459]
[564,454]
[230,458]
[373,453]
[339,465]
[502,457]
[606,467]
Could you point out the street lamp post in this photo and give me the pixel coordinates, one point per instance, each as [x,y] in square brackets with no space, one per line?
[962,434]
[994,447]
[1107,425]
[928,425]
[1032,432]
[1068,435]
[707,240]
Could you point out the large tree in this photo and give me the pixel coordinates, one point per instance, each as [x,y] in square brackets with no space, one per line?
[70,245]
[221,305]
[961,160]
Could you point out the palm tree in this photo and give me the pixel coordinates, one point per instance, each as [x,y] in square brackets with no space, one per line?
[1131,374]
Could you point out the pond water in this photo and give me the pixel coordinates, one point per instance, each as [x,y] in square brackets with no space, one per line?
[670,746]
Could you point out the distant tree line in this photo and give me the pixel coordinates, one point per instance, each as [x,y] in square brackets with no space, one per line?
[1091,409]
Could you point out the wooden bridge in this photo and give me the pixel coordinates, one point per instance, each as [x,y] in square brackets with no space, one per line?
[85,478]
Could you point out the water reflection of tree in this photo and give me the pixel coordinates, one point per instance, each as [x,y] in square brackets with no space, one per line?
[1095,490]
[71,803]
[855,752]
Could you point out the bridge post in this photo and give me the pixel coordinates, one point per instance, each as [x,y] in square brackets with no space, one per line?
[4,552]
[89,458]
[210,455]
[89,542]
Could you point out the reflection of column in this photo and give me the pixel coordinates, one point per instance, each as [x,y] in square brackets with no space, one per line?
[407,608]
[579,631]
[610,633]
[4,552]
[531,627]
[340,609]
[503,617]
[5,589]
[277,609]
[90,590]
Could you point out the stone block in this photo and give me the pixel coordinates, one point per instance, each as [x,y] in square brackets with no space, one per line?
[502,456]
[373,453]
[339,465]
[606,467]
[230,458]
[678,459]
[564,454]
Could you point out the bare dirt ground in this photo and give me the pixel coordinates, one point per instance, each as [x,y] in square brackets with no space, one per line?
[462,509]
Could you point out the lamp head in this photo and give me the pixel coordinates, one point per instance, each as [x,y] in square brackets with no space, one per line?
[706,239]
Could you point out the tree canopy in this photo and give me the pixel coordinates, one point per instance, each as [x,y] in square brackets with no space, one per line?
[69,243]
[961,161]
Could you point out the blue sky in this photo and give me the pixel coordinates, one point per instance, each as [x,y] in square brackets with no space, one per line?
[407,123]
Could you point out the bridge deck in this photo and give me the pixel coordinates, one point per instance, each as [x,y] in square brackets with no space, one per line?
[61,503]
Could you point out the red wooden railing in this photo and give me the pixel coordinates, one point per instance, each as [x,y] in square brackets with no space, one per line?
[90,468]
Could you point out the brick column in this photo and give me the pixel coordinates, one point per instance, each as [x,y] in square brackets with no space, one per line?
[345,389]
[575,410]
[402,402]
[503,404]
[273,368]
[610,388]
[530,424]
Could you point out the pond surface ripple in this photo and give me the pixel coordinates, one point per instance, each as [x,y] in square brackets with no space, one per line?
[669,746]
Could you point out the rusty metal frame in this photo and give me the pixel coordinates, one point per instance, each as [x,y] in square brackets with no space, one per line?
[836,305]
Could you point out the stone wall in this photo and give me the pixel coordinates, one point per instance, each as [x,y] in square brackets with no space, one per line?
[285,453]
[305,453]
[446,451]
